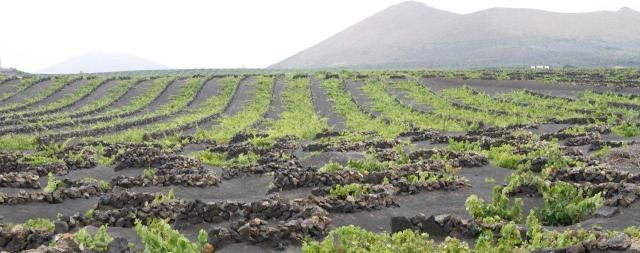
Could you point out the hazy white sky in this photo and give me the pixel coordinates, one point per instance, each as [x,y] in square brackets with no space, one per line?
[35,34]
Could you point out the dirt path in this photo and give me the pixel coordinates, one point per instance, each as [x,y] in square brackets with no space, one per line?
[100,92]
[32,91]
[243,95]
[324,107]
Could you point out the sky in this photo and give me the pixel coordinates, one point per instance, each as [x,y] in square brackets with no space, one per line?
[35,34]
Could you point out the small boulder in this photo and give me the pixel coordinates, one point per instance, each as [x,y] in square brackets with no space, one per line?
[400,223]
[118,245]
[607,211]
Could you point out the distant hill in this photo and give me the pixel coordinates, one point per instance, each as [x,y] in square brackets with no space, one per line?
[412,34]
[94,62]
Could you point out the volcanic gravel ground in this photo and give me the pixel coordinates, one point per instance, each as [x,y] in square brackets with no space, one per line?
[9,86]
[100,92]
[275,105]
[244,94]
[21,213]
[249,188]
[29,92]
[165,96]
[131,94]
[67,89]
[100,172]
[319,159]
[324,107]
[493,87]
[428,203]
[208,90]
[275,108]
[407,100]
[360,98]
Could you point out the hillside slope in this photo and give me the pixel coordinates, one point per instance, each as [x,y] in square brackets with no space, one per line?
[412,34]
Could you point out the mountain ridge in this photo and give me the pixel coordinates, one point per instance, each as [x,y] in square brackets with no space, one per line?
[413,34]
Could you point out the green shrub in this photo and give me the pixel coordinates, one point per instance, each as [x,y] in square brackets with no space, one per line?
[603,152]
[633,232]
[355,239]
[500,206]
[429,178]
[148,172]
[40,224]
[504,157]
[354,190]
[369,164]
[89,214]
[551,151]
[463,146]
[53,184]
[331,167]
[104,185]
[626,129]
[565,204]
[158,236]
[98,242]
[164,198]
[523,178]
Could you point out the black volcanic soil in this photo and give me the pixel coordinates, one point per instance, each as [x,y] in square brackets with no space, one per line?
[163,98]
[407,100]
[493,87]
[100,92]
[31,91]
[428,203]
[9,87]
[208,90]
[244,94]
[275,105]
[45,210]
[131,94]
[324,107]
[360,98]
[67,89]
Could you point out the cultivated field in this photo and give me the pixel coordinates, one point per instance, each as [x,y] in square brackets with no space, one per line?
[195,161]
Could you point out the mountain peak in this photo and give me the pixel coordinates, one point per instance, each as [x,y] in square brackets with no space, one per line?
[627,9]
[412,34]
[413,6]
